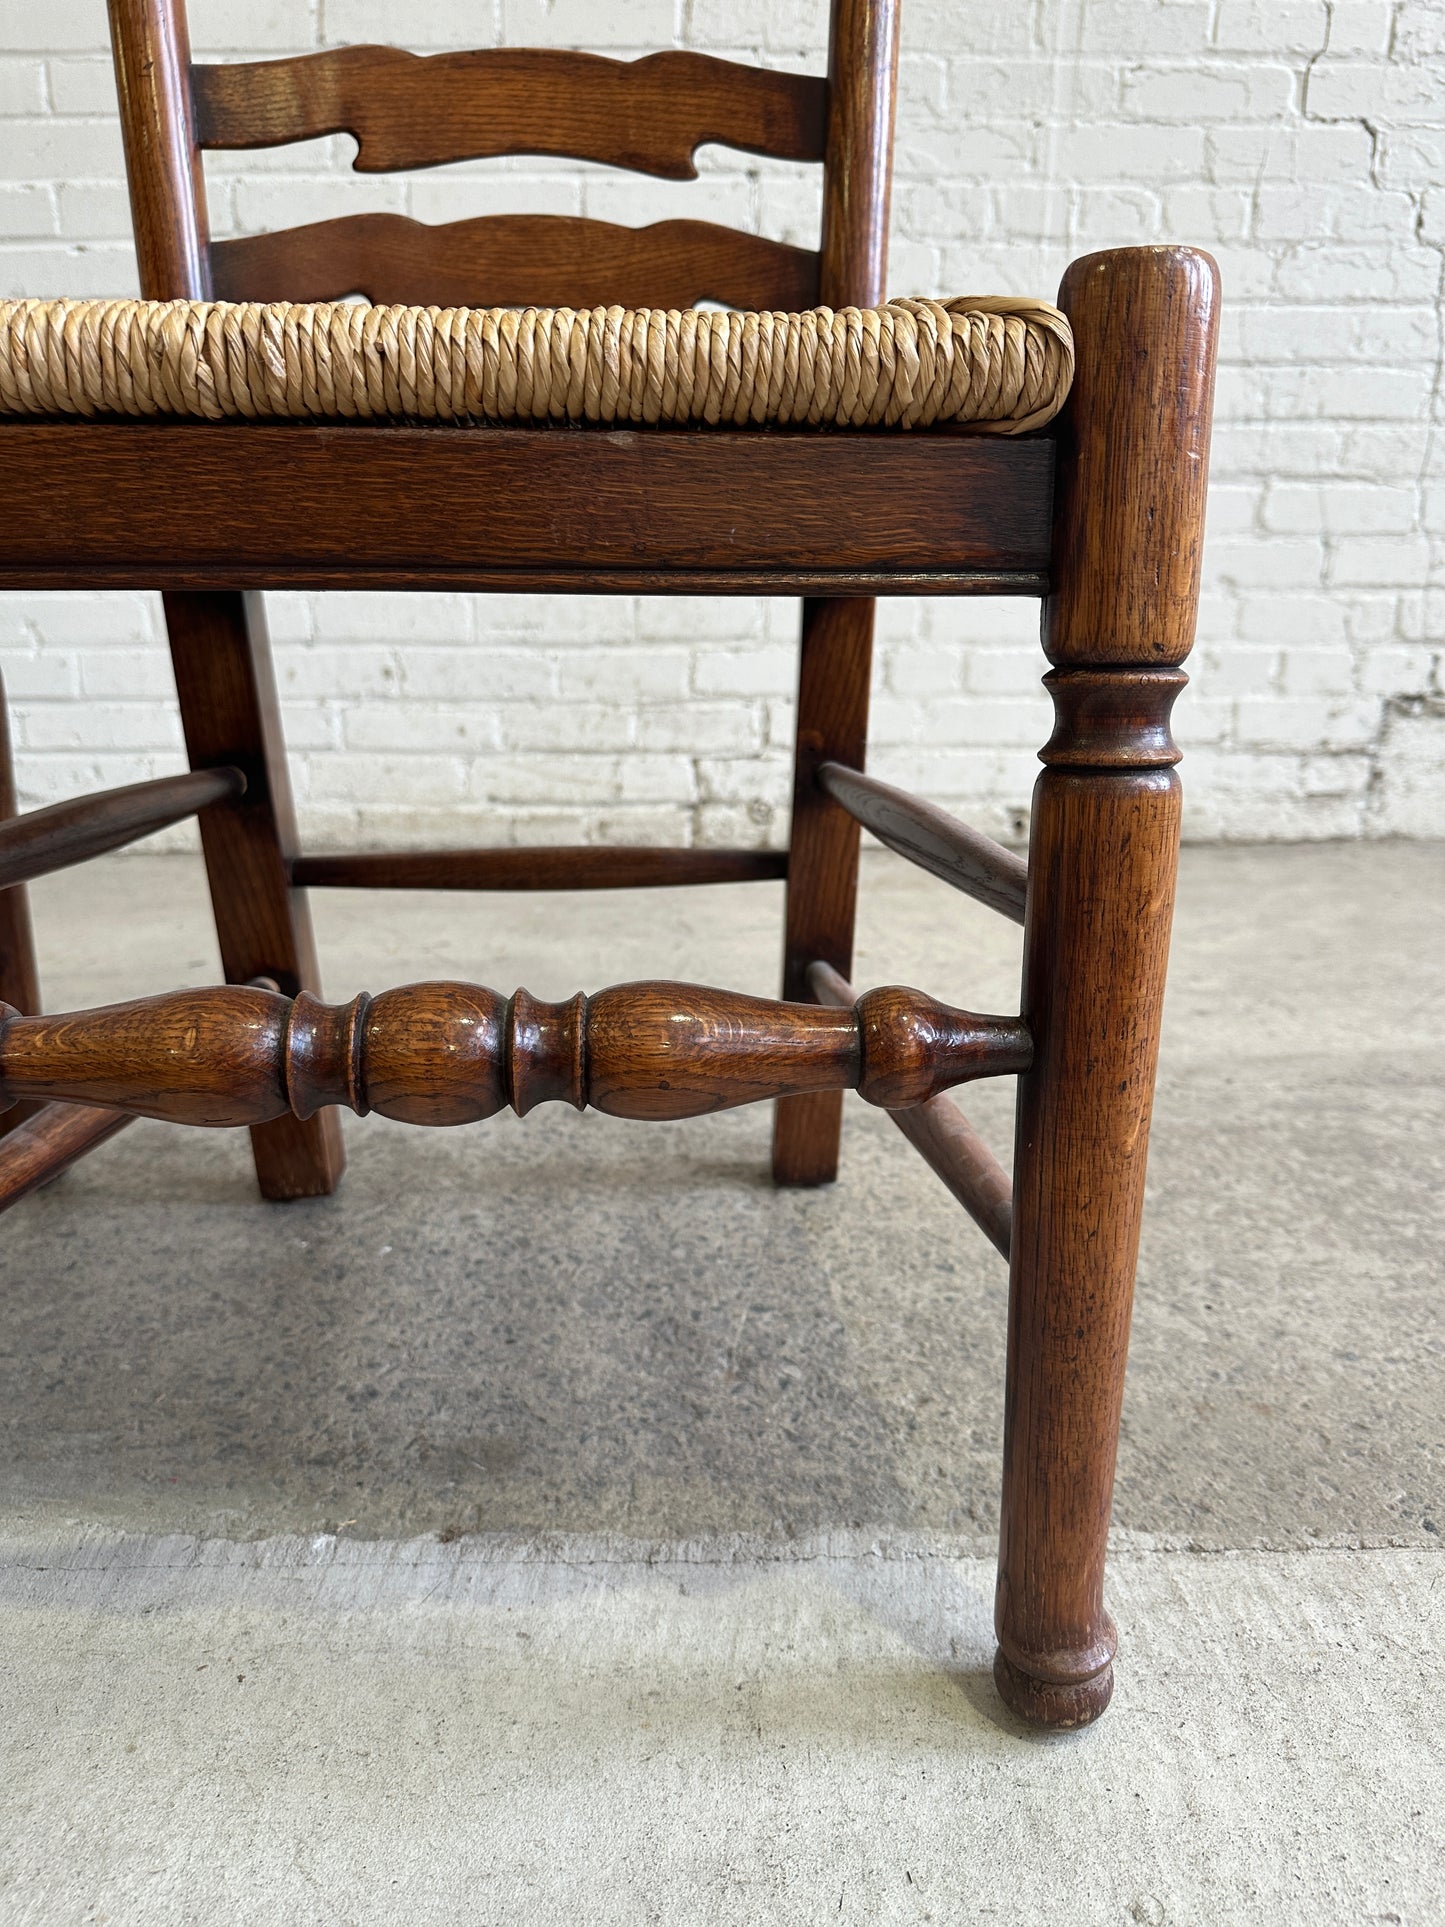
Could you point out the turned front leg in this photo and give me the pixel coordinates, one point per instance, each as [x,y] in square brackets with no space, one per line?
[1132,458]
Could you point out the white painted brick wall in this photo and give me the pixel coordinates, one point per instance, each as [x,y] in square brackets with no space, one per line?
[1303,141]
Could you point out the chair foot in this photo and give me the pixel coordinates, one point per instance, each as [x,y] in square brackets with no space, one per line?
[1057,1704]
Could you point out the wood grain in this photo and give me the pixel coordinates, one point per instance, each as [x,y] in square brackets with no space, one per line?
[558,867]
[407,110]
[931,838]
[449,1053]
[223,676]
[221,654]
[215,500]
[945,1139]
[1167,305]
[162,157]
[516,261]
[67,833]
[834,680]
[835,666]
[19,977]
[1102,859]
[45,1140]
[858,172]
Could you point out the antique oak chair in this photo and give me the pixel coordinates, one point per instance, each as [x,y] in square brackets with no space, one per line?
[1099,515]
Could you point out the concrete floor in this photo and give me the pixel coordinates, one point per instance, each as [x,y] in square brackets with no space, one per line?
[561,1525]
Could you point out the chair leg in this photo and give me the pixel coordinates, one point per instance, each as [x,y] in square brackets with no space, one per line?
[1132,456]
[230,714]
[19,978]
[833,687]
[1103,852]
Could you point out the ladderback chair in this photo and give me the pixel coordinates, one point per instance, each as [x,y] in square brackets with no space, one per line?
[807,442]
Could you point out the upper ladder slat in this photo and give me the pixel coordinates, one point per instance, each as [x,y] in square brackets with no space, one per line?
[408,110]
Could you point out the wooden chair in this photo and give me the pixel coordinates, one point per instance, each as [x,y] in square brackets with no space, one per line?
[1100,517]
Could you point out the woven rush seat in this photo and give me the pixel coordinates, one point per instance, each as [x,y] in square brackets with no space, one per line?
[1000,364]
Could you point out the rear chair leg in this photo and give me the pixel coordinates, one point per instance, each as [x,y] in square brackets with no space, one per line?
[19,979]
[229,710]
[833,687]
[1132,457]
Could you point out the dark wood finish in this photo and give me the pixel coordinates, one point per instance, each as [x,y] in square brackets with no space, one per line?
[223,674]
[19,978]
[162,158]
[580,867]
[648,581]
[214,500]
[835,668]
[1101,882]
[449,1053]
[1107,717]
[516,261]
[45,1140]
[949,1144]
[1170,304]
[227,696]
[931,838]
[408,110]
[834,676]
[858,175]
[66,833]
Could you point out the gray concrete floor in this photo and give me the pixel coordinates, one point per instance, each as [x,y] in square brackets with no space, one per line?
[561,1525]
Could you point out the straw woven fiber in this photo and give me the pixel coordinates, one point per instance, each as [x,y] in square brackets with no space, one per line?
[998,363]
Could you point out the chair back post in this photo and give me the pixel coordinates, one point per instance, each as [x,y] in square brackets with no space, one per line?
[163,164]
[858,169]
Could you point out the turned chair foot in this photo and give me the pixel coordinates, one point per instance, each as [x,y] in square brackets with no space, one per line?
[1060,1704]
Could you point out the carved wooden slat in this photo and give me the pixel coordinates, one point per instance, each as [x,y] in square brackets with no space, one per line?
[931,838]
[450,1053]
[287,503]
[515,261]
[47,1142]
[408,110]
[61,834]
[948,1143]
[580,867]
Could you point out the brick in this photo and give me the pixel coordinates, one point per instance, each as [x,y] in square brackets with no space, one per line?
[1379,560]
[263,26]
[22,87]
[1231,91]
[621,25]
[28,209]
[1364,27]
[1271,26]
[429,25]
[441,729]
[1372,90]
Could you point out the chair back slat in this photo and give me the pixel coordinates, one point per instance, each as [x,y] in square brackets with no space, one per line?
[408,110]
[515,260]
